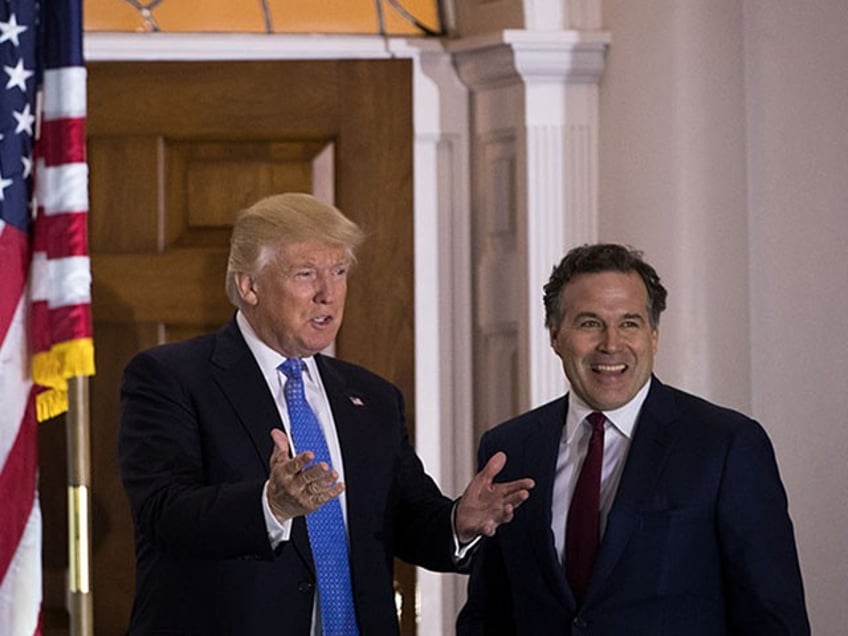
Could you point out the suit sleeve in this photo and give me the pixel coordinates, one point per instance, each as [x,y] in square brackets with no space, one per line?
[488,609]
[762,575]
[176,506]
[422,514]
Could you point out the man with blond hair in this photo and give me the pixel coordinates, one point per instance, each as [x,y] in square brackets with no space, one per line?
[272,486]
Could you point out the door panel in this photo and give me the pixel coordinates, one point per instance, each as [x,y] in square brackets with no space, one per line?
[175,150]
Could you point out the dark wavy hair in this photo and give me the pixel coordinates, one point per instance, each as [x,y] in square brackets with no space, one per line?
[603,257]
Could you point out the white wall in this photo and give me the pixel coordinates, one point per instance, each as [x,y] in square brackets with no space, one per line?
[797,123]
[724,155]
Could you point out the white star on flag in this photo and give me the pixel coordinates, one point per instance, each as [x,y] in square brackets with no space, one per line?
[4,183]
[18,76]
[11,30]
[25,120]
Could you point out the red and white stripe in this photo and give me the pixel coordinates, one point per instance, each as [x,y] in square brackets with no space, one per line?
[20,541]
[61,275]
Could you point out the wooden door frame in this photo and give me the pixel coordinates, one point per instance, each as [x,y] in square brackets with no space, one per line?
[442,240]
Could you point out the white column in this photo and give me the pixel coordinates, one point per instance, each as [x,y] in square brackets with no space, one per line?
[443,413]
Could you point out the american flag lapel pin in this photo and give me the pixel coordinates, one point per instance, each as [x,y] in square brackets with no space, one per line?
[356,400]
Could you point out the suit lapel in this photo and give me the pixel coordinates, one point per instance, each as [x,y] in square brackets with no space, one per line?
[652,441]
[346,405]
[349,407]
[539,459]
[240,379]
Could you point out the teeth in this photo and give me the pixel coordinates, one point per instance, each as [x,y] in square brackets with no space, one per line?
[610,368]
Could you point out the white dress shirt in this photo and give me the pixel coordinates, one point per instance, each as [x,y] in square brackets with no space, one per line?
[618,433]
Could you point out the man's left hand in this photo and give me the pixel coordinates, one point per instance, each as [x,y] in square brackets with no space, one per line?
[485,504]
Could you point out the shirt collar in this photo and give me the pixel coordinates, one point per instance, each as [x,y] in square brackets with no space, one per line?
[623,418]
[267,358]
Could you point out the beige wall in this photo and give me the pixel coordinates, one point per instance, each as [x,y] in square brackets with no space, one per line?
[797,83]
[723,154]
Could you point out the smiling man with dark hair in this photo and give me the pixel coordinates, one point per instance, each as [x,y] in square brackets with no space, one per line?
[655,512]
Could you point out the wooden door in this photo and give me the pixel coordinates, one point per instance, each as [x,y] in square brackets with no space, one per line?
[175,150]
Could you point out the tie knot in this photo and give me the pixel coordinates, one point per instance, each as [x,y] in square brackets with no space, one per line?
[292,368]
[597,420]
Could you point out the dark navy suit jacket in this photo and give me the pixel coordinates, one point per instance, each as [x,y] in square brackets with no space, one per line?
[698,541]
[194,445]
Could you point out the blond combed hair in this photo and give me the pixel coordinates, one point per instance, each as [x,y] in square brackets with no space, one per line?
[284,219]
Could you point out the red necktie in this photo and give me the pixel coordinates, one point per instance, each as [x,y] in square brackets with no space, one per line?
[582,534]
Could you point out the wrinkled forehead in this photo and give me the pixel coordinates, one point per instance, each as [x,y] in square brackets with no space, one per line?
[605,289]
[313,253]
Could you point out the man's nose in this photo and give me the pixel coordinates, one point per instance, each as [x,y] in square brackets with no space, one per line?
[325,288]
[610,339]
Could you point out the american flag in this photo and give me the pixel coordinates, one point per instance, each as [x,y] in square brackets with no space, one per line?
[45,280]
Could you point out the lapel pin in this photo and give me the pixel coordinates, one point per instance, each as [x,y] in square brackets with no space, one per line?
[356,401]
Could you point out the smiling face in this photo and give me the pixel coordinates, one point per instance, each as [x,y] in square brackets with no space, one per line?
[295,303]
[605,339]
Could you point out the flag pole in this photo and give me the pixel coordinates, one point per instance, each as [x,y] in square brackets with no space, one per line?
[80,603]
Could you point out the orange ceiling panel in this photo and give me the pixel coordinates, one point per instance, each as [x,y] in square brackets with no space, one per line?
[247,16]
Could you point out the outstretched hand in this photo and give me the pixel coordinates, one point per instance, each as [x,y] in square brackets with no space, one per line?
[485,504]
[293,489]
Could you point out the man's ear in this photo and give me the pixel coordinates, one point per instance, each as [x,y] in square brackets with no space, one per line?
[246,288]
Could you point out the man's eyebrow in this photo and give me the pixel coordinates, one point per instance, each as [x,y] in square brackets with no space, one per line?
[345,262]
[627,316]
[586,314]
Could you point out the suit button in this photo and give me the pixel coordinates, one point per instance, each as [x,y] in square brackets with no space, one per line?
[305,586]
[580,622]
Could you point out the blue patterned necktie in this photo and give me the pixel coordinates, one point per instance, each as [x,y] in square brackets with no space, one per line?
[325,525]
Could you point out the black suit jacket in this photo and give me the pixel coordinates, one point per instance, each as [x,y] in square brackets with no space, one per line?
[194,445]
[698,541]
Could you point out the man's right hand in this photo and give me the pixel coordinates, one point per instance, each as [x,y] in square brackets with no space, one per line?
[293,490]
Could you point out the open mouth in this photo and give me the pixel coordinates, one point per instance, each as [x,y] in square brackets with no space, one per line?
[609,368]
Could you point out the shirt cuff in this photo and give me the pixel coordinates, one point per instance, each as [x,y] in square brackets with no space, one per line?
[461,550]
[277,531]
